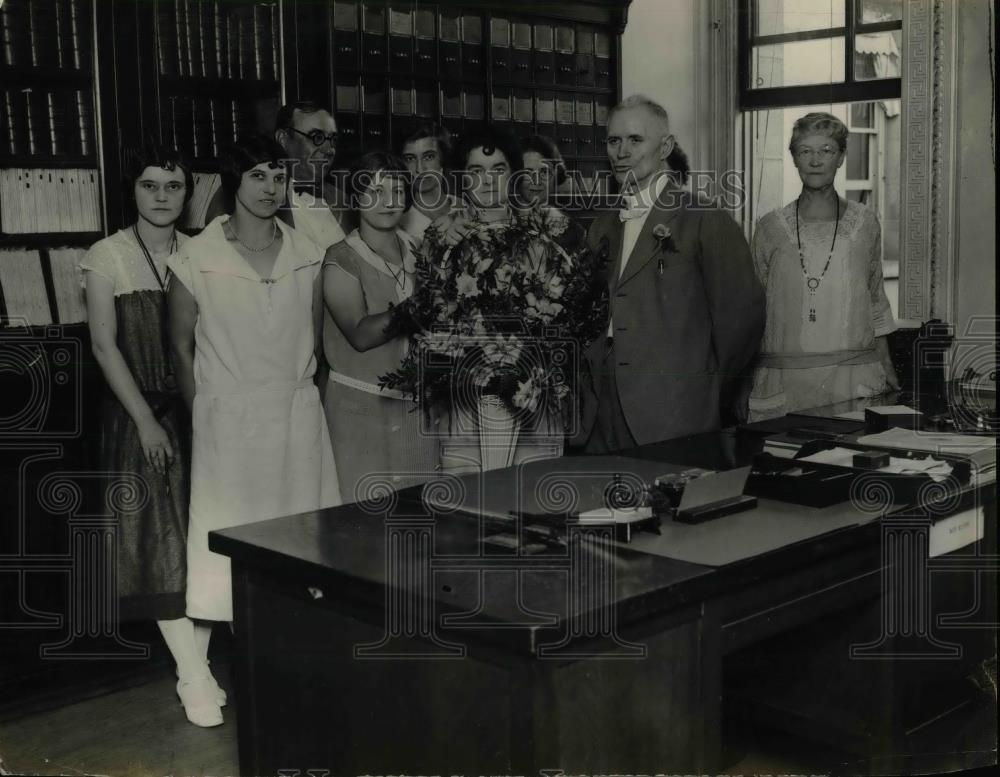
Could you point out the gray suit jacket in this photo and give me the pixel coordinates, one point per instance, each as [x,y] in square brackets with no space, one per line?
[688,317]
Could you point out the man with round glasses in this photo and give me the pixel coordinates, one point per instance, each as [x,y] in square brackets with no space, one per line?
[308,133]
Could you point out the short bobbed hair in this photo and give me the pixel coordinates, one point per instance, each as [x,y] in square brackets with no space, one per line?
[438,134]
[548,150]
[490,139]
[248,152]
[819,124]
[155,155]
[368,166]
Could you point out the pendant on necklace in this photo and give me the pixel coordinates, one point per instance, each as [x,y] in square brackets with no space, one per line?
[812,283]
[812,314]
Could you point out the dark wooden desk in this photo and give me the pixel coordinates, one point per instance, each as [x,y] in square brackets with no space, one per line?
[375,645]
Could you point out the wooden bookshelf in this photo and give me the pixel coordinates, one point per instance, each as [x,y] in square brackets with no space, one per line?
[50,186]
[389,65]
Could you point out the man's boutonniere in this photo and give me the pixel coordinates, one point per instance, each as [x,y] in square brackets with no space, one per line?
[665,243]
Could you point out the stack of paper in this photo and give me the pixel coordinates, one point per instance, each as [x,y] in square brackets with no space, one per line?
[980,450]
[937,469]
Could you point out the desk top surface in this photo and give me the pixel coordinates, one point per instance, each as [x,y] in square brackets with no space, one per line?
[348,547]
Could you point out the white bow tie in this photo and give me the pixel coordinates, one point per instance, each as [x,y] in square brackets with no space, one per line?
[634,208]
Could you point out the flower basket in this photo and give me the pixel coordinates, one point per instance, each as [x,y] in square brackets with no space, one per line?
[489,437]
[499,325]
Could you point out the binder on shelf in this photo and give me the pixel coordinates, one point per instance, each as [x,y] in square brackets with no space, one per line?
[499,32]
[472,28]
[543,37]
[55,147]
[221,40]
[347,98]
[74,218]
[183,49]
[10,123]
[545,108]
[402,101]
[69,299]
[400,22]
[373,19]
[424,23]
[6,200]
[275,43]
[260,37]
[197,27]
[565,39]
[79,30]
[521,35]
[345,15]
[426,101]
[501,107]
[62,197]
[166,41]
[522,107]
[9,33]
[565,113]
[23,287]
[474,105]
[450,26]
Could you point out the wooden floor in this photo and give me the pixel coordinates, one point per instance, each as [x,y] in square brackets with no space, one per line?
[143,731]
[137,731]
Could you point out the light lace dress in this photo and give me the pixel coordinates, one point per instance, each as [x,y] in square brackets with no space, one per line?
[831,358]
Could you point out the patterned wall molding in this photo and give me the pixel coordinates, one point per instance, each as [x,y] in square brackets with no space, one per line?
[927,187]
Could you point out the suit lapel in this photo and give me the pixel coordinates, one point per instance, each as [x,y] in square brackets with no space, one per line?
[647,246]
[611,230]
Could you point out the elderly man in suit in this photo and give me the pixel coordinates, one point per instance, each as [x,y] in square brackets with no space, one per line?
[686,311]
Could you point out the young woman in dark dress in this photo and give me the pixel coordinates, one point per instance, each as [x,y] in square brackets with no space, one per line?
[143,419]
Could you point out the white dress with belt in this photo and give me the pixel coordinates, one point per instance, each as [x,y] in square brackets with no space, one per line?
[261,448]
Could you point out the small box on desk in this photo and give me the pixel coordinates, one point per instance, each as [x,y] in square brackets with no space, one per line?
[878,419]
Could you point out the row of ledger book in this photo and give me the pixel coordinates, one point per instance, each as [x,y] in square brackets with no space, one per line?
[26,295]
[213,39]
[50,200]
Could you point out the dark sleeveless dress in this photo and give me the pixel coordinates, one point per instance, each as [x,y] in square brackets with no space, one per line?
[152,527]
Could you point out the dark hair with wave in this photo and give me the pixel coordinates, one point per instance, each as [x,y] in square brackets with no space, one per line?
[155,155]
[364,170]
[490,139]
[548,150]
[438,134]
[248,152]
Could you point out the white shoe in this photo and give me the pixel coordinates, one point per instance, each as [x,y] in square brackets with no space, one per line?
[198,697]
[220,695]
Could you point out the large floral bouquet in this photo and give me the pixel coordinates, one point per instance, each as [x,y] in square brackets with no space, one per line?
[506,312]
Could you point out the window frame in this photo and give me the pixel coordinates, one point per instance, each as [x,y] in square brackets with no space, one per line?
[849,90]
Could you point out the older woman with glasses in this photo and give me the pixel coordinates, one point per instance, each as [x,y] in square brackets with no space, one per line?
[820,260]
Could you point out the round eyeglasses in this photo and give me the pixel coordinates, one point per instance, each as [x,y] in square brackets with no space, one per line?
[317,137]
[824,154]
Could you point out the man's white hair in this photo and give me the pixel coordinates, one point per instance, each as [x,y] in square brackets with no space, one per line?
[657,111]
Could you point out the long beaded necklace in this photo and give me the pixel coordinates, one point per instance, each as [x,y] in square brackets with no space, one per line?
[812,281]
[149,258]
[400,277]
